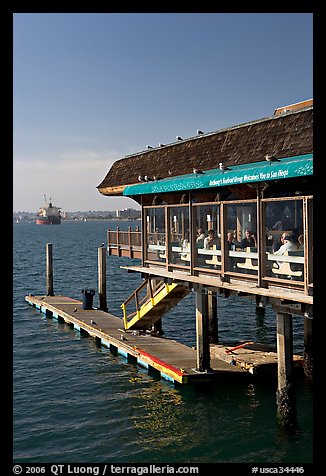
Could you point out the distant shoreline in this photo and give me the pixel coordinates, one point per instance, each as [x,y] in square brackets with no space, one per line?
[82,219]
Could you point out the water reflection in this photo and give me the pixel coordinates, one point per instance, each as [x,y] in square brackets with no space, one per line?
[159,410]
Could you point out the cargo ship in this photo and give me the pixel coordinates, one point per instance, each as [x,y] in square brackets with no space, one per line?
[48,214]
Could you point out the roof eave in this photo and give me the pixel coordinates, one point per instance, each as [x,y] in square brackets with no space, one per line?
[112,191]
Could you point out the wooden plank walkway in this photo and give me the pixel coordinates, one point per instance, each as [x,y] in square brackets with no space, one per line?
[174,361]
[258,359]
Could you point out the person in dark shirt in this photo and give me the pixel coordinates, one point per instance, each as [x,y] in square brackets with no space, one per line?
[249,240]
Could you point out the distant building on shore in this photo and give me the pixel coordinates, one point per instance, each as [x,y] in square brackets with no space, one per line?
[128,213]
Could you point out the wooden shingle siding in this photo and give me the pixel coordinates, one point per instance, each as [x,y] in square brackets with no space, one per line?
[285,135]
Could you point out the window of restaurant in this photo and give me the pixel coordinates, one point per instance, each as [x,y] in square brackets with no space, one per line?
[207,235]
[179,235]
[241,237]
[171,234]
[154,223]
[285,239]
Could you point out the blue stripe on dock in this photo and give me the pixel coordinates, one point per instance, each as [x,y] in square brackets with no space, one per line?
[105,343]
[43,309]
[55,315]
[142,363]
[166,377]
[76,326]
[122,352]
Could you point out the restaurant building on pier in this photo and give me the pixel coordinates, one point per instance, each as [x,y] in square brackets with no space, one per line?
[252,184]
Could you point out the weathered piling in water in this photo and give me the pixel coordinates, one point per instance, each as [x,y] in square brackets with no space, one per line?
[308,362]
[212,317]
[202,331]
[49,270]
[101,255]
[285,396]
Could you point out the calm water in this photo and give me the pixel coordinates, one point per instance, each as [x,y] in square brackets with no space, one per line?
[79,403]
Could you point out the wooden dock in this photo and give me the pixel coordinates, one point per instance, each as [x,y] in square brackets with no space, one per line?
[258,359]
[174,361]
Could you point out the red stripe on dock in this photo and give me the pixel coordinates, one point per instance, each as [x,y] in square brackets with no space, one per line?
[161,362]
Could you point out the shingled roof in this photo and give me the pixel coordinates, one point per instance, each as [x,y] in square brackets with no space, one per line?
[285,135]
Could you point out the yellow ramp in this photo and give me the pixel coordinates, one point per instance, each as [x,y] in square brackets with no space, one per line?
[157,301]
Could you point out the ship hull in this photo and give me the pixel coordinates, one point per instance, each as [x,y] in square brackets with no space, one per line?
[48,214]
[48,221]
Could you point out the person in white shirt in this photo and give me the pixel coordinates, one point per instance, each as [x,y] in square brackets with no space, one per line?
[200,236]
[288,245]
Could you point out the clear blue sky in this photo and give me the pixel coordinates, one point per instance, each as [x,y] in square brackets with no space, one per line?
[91,88]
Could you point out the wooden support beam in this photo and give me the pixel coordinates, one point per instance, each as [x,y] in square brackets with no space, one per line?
[101,255]
[308,363]
[285,397]
[157,327]
[49,270]
[212,317]
[261,242]
[202,333]
[224,244]
[192,235]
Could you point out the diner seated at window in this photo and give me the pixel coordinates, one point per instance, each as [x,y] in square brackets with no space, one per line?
[278,242]
[300,242]
[231,241]
[288,245]
[200,236]
[211,240]
[249,241]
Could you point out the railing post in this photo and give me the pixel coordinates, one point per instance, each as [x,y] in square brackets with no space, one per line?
[308,242]
[49,270]
[224,243]
[261,239]
[137,304]
[192,235]
[168,251]
[129,241]
[143,235]
[110,241]
[124,310]
[118,240]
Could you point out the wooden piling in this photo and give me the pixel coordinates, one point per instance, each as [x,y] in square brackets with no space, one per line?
[49,270]
[212,317]
[308,363]
[285,397]
[157,327]
[202,331]
[101,254]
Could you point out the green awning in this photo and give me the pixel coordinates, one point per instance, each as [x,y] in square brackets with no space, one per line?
[289,167]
